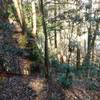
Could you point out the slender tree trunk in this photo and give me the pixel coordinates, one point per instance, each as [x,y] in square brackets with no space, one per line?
[46,40]
[69,47]
[93,40]
[88,55]
[89,46]
[78,47]
[34,18]
[16,4]
[69,57]
[78,57]
[87,58]
[91,43]
[55,32]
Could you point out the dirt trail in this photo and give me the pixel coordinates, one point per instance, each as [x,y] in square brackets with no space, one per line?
[29,88]
[36,88]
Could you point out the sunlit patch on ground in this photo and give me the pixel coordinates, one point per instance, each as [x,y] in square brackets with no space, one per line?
[40,87]
[37,85]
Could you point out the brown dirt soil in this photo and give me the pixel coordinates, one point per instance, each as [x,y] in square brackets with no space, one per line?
[36,88]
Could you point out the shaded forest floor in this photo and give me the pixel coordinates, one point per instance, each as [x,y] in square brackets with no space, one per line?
[36,88]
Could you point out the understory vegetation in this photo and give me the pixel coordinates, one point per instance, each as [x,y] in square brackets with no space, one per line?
[49,50]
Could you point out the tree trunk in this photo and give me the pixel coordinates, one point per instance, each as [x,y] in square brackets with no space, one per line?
[55,32]
[46,41]
[88,55]
[91,44]
[93,40]
[16,4]
[78,58]
[34,18]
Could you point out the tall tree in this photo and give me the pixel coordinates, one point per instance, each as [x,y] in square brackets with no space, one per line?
[88,55]
[46,40]
[16,4]
[55,32]
[34,18]
[20,14]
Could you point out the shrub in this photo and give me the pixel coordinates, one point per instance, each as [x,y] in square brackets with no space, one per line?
[22,41]
[66,80]
[54,63]
[65,68]
[92,86]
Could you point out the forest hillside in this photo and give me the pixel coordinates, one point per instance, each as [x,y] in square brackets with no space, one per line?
[49,50]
